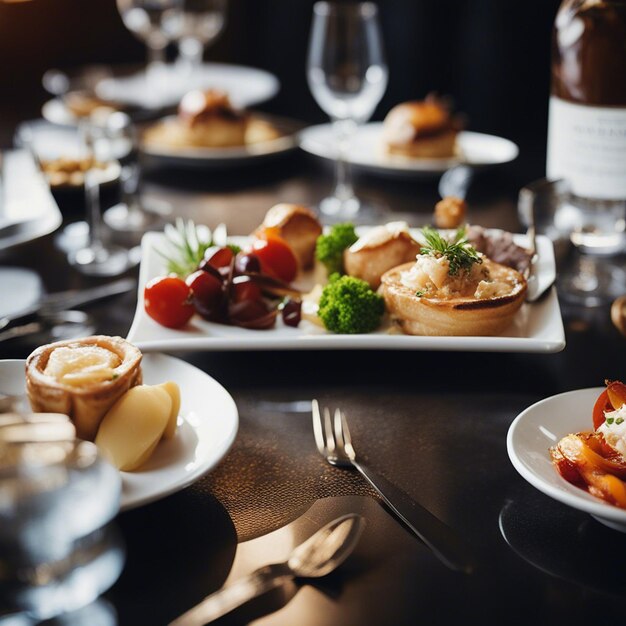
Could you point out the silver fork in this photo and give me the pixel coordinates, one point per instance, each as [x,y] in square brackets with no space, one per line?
[334,442]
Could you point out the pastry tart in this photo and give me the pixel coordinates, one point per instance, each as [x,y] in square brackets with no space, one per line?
[82,378]
[487,310]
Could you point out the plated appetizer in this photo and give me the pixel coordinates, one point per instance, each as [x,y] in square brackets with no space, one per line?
[596,460]
[421,129]
[207,119]
[388,277]
[451,289]
[97,383]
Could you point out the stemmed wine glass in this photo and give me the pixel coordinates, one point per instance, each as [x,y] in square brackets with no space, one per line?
[347,75]
[146,19]
[129,216]
[98,257]
[195,25]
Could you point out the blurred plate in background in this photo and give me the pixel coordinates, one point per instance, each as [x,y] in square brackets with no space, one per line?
[245,86]
[27,208]
[367,151]
[223,158]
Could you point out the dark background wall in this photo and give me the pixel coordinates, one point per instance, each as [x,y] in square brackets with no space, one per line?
[490,56]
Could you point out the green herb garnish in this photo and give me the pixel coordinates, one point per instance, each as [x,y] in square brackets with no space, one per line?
[609,420]
[115,376]
[459,252]
[419,294]
[187,244]
[619,420]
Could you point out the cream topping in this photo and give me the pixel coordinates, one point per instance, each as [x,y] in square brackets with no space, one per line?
[82,365]
[380,235]
[430,276]
[614,429]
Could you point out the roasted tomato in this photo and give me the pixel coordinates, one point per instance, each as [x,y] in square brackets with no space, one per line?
[276,257]
[602,404]
[616,391]
[167,300]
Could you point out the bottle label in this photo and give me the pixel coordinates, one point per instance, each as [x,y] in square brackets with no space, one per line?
[587,147]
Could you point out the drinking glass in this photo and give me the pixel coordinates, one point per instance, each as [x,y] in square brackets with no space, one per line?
[129,215]
[590,261]
[347,76]
[195,25]
[98,257]
[145,19]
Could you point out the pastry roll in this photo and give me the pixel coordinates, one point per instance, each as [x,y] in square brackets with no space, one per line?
[82,378]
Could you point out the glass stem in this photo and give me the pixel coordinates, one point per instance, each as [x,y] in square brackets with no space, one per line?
[156,62]
[92,191]
[192,53]
[344,131]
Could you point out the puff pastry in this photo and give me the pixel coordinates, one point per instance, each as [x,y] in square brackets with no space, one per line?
[82,378]
[488,311]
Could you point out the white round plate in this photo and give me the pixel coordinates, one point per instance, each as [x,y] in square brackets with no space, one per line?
[207,425]
[367,151]
[540,427]
[24,286]
[221,158]
[245,86]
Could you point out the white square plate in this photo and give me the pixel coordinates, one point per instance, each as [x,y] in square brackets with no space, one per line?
[537,327]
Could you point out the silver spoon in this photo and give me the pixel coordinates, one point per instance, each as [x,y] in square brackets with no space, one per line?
[318,556]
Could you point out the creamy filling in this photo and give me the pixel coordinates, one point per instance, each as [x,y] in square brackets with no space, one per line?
[82,365]
[430,276]
[614,429]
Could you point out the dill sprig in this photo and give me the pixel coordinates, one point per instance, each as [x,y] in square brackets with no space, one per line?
[459,252]
[187,244]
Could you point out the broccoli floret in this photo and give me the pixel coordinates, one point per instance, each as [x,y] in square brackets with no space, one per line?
[348,305]
[329,248]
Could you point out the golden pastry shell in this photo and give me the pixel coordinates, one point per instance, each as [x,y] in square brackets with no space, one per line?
[85,405]
[463,316]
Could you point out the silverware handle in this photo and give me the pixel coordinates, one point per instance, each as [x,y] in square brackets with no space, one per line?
[439,537]
[229,598]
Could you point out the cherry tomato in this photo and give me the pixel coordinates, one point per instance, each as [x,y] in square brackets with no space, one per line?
[167,300]
[206,292]
[276,258]
[602,404]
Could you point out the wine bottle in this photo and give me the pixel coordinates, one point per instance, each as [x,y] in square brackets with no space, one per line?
[587,120]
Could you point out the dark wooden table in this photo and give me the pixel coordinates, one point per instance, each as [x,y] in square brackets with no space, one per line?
[433,423]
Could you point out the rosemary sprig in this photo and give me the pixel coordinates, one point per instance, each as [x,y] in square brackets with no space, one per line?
[187,245]
[459,252]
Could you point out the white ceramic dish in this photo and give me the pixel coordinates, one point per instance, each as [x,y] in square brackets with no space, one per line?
[537,328]
[245,86]
[28,209]
[221,158]
[367,152]
[207,426]
[541,426]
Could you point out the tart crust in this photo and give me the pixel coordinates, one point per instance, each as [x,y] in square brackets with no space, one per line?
[462,316]
[85,404]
